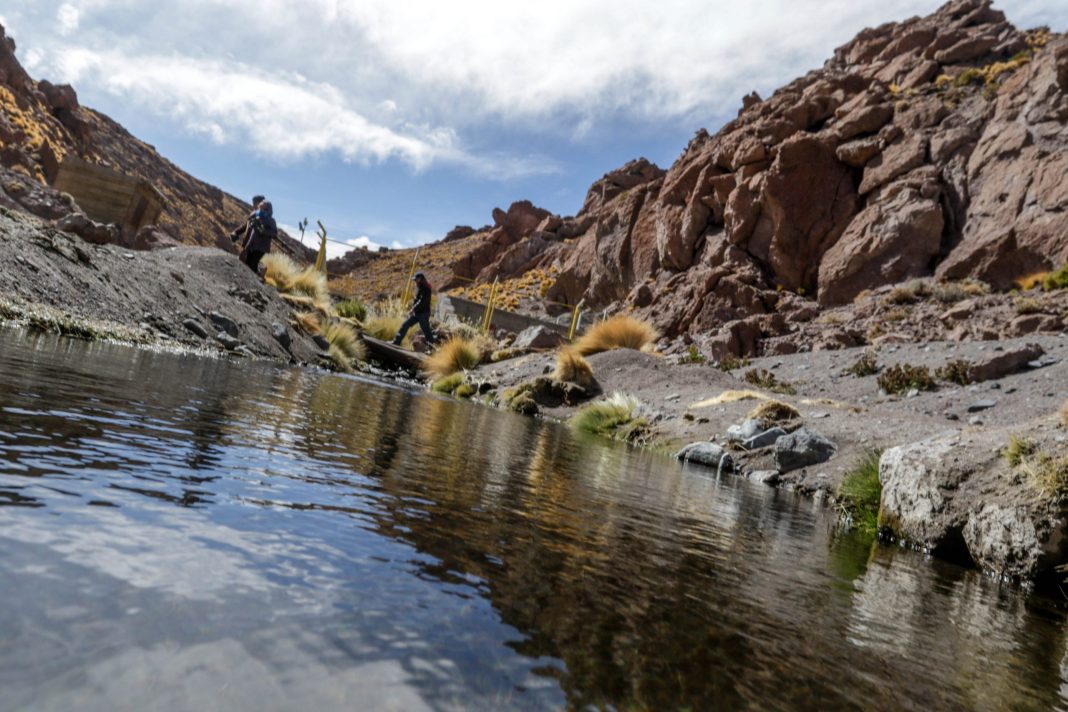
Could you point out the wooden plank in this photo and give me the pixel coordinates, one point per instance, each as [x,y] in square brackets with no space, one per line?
[391,355]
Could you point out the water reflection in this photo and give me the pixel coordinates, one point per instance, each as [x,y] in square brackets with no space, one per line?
[291,536]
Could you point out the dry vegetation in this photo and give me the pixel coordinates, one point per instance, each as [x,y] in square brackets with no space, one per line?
[454,355]
[762,378]
[618,332]
[902,378]
[773,411]
[572,367]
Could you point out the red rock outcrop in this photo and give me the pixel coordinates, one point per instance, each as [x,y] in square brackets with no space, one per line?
[931,147]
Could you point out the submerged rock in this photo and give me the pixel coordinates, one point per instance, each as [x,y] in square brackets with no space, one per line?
[708,454]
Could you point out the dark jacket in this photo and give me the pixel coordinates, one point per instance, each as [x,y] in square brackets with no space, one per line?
[262,229]
[421,305]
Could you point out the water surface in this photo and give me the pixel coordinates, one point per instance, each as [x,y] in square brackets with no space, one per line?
[183,533]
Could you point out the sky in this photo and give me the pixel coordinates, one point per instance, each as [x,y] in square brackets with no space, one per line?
[392,122]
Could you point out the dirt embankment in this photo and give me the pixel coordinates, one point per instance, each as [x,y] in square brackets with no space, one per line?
[193,298]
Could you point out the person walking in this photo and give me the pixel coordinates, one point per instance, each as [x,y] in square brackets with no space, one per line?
[262,229]
[420,311]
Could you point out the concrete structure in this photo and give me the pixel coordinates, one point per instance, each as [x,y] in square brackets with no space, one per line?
[108,196]
[472,312]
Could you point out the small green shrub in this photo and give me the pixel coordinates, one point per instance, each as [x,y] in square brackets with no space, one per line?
[861,492]
[730,363]
[693,355]
[447,384]
[465,390]
[762,378]
[351,309]
[901,378]
[1027,305]
[865,365]
[958,371]
[1056,280]
[520,399]
[1018,450]
[614,417]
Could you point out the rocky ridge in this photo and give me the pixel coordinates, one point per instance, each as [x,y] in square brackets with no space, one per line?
[925,148]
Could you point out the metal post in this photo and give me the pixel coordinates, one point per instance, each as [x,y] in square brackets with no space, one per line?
[575,316]
[487,316]
[320,260]
[411,273]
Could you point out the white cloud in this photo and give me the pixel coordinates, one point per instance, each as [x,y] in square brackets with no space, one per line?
[339,248]
[67,19]
[422,81]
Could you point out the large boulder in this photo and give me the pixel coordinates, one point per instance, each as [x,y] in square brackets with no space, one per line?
[807,202]
[887,242]
[802,448]
[89,230]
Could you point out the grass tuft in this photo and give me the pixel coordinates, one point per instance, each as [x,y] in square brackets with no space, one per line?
[765,379]
[572,367]
[347,341]
[901,378]
[861,492]
[454,355]
[1027,305]
[1064,414]
[1048,473]
[1018,450]
[281,272]
[448,384]
[308,322]
[351,309]
[340,358]
[865,365]
[693,355]
[465,390]
[614,417]
[958,371]
[729,363]
[1056,280]
[773,411]
[618,332]
[730,397]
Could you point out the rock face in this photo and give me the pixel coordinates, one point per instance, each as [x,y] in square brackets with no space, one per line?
[933,147]
[953,495]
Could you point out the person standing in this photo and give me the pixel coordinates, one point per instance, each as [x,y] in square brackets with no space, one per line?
[242,230]
[262,230]
[420,311]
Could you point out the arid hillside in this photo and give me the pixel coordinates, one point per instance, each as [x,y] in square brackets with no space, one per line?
[41,124]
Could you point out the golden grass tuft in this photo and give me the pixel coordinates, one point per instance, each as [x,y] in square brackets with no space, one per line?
[572,367]
[773,411]
[452,356]
[280,272]
[1064,414]
[311,283]
[340,359]
[618,332]
[308,322]
[345,338]
[1047,473]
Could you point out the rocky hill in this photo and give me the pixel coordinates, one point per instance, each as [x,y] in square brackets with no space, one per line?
[932,147]
[41,123]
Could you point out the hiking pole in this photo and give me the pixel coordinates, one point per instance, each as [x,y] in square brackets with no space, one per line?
[411,273]
[320,260]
